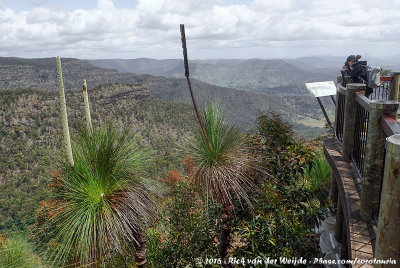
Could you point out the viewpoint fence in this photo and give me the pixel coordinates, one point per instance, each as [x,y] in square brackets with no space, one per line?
[369,136]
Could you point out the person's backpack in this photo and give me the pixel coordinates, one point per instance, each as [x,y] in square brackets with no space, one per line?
[373,76]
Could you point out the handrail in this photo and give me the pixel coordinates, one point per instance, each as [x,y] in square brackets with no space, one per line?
[367,123]
[363,101]
[386,78]
[341,89]
[389,125]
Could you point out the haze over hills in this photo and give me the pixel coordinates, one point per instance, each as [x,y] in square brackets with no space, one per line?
[241,106]
[270,76]
[266,76]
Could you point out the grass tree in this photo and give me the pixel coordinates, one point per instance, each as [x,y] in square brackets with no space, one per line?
[319,177]
[223,164]
[222,171]
[102,194]
[101,200]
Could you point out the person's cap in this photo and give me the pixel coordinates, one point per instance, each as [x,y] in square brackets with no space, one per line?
[351,57]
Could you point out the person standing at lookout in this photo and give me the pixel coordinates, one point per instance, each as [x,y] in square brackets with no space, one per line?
[357,71]
[351,61]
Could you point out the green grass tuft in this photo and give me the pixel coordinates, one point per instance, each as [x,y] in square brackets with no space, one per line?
[16,252]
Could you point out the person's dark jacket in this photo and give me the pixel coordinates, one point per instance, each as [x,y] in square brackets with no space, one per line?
[358,74]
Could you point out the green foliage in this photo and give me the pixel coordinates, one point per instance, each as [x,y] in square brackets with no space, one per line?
[184,232]
[283,218]
[319,178]
[30,132]
[16,252]
[284,212]
[283,155]
[100,202]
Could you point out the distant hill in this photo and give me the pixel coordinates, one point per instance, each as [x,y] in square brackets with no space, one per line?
[273,77]
[265,76]
[302,111]
[138,66]
[252,75]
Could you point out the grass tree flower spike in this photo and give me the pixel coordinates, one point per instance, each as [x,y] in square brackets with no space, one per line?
[64,116]
[186,63]
[87,109]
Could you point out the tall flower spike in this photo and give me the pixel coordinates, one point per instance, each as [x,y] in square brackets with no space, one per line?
[186,63]
[64,116]
[87,109]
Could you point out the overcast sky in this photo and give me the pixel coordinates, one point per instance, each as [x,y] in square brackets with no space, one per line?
[214,29]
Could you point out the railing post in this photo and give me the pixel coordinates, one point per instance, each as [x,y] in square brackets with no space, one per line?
[334,191]
[350,119]
[339,221]
[395,86]
[347,79]
[344,251]
[339,80]
[388,234]
[374,157]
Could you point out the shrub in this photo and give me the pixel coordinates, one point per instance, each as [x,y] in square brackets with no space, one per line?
[184,233]
[282,221]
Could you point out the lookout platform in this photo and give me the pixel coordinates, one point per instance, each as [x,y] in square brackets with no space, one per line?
[363,151]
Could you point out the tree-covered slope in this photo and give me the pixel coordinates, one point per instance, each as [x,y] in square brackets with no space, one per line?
[30,133]
[243,107]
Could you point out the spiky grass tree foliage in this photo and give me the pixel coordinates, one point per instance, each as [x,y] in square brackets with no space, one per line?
[224,171]
[16,252]
[102,199]
[319,177]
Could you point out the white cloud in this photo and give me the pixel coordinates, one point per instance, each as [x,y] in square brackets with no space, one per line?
[105,4]
[151,29]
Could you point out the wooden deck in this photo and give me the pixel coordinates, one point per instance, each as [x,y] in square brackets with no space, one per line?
[360,234]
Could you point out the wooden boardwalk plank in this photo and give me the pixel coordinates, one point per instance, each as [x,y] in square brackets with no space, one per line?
[361,235]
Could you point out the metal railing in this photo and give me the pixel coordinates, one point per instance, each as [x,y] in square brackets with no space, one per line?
[339,121]
[382,92]
[363,128]
[360,132]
